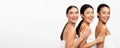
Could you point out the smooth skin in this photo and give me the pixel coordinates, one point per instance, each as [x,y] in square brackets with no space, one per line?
[87,19]
[69,34]
[101,27]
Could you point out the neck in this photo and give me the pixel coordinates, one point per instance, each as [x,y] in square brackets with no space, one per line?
[85,23]
[72,24]
[100,22]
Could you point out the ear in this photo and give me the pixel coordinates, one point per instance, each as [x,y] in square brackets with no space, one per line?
[98,15]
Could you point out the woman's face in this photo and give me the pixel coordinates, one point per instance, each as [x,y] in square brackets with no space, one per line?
[104,14]
[73,15]
[88,15]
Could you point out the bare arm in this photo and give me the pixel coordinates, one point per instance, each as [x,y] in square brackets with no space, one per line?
[70,39]
[83,34]
[77,43]
[99,39]
[102,31]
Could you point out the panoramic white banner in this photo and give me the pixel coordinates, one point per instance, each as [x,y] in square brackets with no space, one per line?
[39,23]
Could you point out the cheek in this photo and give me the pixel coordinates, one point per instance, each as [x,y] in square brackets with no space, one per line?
[108,17]
[68,17]
[102,16]
[93,16]
[86,17]
[77,16]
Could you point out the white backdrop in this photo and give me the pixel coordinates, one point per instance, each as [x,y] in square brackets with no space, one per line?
[39,23]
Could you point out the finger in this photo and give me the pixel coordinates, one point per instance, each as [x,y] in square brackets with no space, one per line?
[87,29]
[100,35]
[103,36]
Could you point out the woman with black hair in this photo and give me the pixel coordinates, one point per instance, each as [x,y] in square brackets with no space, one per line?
[103,14]
[68,36]
[87,14]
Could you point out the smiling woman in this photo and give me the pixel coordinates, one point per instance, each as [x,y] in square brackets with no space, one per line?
[103,14]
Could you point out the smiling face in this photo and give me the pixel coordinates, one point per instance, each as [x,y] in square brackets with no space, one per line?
[88,15]
[73,15]
[104,14]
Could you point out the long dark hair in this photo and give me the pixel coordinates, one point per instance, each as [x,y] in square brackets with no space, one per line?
[100,7]
[82,10]
[70,7]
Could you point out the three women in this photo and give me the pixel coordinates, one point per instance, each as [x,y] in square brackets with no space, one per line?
[85,37]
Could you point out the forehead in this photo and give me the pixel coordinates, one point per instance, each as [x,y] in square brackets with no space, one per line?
[73,9]
[105,9]
[89,9]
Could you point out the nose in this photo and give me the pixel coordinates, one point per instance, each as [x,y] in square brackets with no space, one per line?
[92,15]
[75,15]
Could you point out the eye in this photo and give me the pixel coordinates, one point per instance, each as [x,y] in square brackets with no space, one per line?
[71,12]
[76,12]
[108,13]
[92,12]
[104,12]
[88,12]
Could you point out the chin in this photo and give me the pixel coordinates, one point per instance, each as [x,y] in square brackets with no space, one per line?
[104,22]
[89,22]
[74,22]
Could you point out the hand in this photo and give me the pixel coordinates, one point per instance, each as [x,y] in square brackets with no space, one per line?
[100,38]
[85,33]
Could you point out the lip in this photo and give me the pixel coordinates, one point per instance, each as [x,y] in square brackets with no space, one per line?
[90,18]
[106,18]
[74,19]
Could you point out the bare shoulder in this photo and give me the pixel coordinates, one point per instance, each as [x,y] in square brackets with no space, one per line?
[71,30]
[70,36]
[82,28]
[100,30]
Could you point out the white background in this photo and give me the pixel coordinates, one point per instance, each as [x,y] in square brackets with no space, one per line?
[39,23]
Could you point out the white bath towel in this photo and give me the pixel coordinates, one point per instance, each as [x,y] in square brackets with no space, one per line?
[109,42]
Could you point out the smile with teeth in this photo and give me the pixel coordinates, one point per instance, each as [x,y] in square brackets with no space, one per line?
[74,18]
[90,18]
[106,18]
